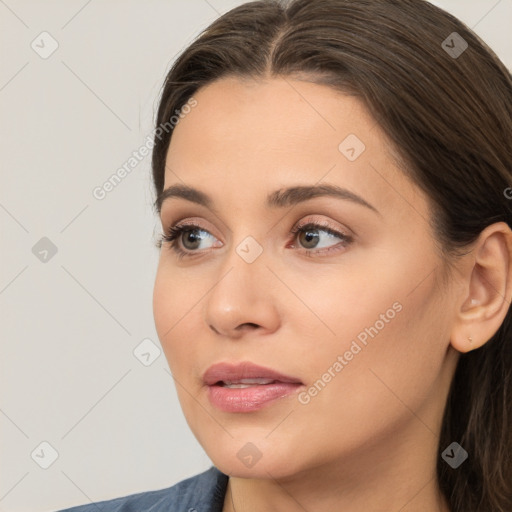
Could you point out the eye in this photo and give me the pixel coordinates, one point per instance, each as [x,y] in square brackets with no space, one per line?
[190,236]
[314,237]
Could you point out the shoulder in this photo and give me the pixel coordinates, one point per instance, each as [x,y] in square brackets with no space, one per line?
[200,493]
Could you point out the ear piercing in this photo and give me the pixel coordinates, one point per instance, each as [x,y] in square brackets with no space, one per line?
[470,339]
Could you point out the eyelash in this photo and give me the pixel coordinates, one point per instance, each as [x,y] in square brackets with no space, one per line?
[172,237]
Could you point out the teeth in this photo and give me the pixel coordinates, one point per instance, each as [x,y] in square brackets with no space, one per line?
[246,383]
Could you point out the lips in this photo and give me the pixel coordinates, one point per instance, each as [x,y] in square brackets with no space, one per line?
[248,372]
[246,387]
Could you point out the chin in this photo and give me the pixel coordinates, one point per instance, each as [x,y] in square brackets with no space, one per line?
[260,458]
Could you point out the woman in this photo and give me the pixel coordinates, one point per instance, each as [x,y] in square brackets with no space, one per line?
[333,180]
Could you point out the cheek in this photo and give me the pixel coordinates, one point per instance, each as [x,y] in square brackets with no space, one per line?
[174,298]
[391,329]
[387,356]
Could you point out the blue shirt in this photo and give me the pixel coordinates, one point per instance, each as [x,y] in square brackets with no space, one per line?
[200,493]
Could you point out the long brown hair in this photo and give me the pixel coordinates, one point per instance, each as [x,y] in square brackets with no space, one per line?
[447,109]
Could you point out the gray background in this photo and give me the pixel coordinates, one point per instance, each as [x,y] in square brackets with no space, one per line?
[70,323]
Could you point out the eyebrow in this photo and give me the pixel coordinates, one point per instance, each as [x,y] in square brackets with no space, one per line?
[281,198]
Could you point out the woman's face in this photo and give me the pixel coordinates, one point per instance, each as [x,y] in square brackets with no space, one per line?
[347,311]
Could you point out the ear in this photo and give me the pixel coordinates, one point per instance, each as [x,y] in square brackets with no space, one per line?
[487,290]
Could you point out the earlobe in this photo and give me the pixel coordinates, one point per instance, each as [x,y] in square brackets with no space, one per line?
[487,289]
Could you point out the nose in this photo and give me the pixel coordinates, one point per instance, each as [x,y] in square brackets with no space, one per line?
[243,299]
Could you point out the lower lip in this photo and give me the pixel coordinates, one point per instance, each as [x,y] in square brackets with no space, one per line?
[248,399]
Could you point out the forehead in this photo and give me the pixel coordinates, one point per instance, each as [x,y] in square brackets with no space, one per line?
[271,116]
[245,138]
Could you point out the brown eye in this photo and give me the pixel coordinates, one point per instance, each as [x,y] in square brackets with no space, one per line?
[309,238]
[191,238]
[316,237]
[186,240]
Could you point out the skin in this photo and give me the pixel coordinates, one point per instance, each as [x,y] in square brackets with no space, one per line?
[368,439]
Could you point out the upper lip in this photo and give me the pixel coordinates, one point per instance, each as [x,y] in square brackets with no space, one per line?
[222,372]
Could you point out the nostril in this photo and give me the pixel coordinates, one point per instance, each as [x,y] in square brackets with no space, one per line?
[247,324]
[242,327]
